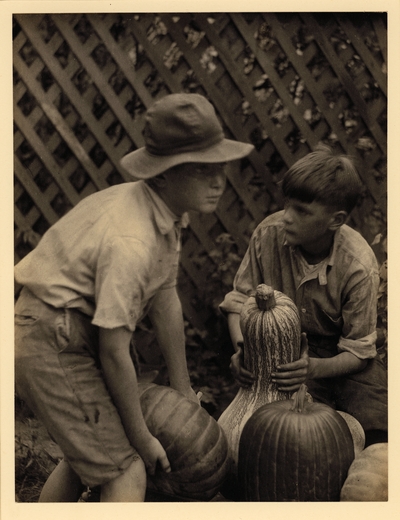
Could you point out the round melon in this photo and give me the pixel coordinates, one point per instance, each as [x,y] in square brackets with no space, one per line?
[367,480]
[356,430]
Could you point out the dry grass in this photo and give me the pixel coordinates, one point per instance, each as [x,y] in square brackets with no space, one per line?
[36,455]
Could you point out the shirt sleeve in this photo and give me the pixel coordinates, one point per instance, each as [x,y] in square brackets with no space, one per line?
[359,315]
[122,275]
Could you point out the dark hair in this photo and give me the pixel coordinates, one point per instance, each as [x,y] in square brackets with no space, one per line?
[325,177]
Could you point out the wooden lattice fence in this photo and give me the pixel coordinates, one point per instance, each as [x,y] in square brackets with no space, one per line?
[283,81]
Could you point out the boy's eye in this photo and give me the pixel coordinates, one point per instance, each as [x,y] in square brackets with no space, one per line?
[294,206]
[209,169]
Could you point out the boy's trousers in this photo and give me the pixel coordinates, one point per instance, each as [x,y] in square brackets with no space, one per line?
[58,374]
[363,395]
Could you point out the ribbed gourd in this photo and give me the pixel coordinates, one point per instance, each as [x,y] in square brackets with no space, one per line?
[270,325]
[294,451]
[195,444]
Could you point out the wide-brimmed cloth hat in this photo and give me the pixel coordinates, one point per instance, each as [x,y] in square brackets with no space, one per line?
[181,128]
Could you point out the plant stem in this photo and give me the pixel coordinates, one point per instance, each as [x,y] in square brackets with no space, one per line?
[265,297]
[299,399]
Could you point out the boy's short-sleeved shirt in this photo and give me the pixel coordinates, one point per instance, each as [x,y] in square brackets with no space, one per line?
[337,299]
[108,256]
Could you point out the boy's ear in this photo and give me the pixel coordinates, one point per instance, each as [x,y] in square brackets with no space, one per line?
[338,219]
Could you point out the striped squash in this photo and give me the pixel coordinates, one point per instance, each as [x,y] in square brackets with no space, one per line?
[270,326]
[195,444]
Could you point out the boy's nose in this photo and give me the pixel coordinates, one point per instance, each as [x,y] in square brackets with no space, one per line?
[218,180]
[287,216]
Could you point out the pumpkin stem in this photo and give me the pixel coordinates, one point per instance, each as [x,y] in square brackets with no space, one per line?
[265,297]
[299,399]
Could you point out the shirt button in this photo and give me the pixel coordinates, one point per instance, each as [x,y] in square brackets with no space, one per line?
[303,310]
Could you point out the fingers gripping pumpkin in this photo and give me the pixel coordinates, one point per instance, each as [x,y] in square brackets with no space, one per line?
[195,444]
[270,326]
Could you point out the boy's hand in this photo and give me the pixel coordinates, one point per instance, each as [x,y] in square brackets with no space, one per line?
[289,377]
[191,395]
[242,376]
[153,455]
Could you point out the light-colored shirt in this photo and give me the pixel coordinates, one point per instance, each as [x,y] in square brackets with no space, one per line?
[336,299]
[108,256]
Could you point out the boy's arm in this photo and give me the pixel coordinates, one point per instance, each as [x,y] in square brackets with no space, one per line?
[343,364]
[290,376]
[120,377]
[247,278]
[242,376]
[167,319]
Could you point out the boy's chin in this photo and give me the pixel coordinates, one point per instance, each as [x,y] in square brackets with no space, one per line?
[208,208]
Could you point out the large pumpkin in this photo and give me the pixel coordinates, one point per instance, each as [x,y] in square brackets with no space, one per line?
[294,451]
[195,444]
[270,325]
[367,479]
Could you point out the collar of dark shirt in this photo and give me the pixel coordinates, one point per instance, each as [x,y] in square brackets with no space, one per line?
[164,217]
[330,259]
[321,268]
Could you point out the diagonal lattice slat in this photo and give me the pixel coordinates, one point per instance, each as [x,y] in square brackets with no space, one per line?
[283,81]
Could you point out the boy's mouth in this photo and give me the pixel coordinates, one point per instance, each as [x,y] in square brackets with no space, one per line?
[290,235]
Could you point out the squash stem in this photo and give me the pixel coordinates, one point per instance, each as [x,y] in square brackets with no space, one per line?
[299,399]
[265,297]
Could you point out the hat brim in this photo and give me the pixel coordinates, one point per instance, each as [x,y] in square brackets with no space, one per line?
[140,164]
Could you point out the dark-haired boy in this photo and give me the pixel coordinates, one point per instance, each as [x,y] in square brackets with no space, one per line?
[309,253]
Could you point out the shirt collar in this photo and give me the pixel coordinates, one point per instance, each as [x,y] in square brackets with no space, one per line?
[321,272]
[164,217]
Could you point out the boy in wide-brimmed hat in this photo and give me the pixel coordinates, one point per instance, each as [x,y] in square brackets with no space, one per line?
[94,275]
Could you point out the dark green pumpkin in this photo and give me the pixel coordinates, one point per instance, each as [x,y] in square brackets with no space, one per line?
[195,444]
[294,451]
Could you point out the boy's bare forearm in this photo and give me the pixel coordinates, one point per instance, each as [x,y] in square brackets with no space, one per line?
[234,329]
[120,376]
[167,319]
[343,364]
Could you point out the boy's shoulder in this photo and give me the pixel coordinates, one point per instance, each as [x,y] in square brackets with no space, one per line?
[271,227]
[119,211]
[351,243]
[272,221]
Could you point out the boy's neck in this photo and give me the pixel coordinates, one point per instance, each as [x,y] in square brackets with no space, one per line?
[315,253]
[175,210]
